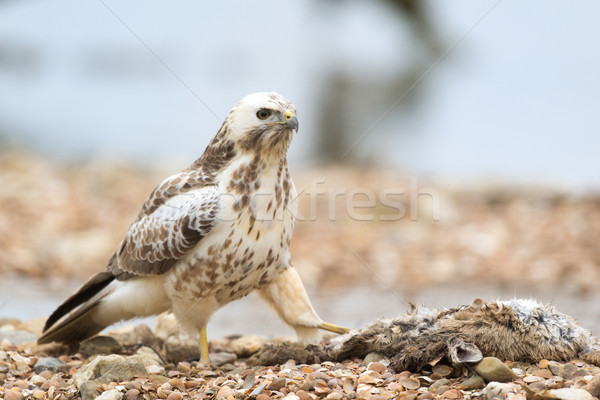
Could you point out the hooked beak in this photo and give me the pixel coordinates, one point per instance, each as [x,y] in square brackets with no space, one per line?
[292,123]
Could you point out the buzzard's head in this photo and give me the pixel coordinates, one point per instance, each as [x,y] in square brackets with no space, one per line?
[262,122]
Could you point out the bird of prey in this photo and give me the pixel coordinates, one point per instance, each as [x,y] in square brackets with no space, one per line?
[206,236]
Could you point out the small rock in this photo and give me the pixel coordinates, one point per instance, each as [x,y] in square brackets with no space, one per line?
[374,357]
[570,371]
[291,396]
[13,395]
[451,394]
[49,363]
[335,395]
[542,373]
[543,364]
[474,382]
[147,356]
[245,346]
[222,358]
[105,369]
[15,337]
[134,334]
[570,394]
[112,394]
[497,389]
[443,370]
[302,395]
[594,386]
[100,345]
[440,382]
[175,396]
[411,383]
[132,394]
[262,396]
[376,366]
[277,384]
[555,367]
[493,370]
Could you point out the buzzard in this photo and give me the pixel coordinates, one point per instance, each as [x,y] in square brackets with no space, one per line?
[206,236]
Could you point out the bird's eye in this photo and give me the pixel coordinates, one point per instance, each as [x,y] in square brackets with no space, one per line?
[263,114]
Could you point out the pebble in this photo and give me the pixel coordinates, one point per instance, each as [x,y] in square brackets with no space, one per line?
[100,345]
[175,396]
[374,357]
[442,370]
[302,395]
[435,385]
[570,394]
[493,370]
[376,366]
[49,363]
[222,358]
[132,394]
[474,382]
[497,389]
[13,395]
[15,337]
[113,394]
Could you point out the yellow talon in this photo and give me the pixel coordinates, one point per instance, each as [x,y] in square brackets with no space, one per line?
[333,328]
[204,359]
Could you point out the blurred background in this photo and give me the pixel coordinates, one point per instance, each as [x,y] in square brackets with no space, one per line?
[478,119]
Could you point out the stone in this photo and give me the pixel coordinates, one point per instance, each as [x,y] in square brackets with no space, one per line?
[474,382]
[277,384]
[442,370]
[555,367]
[178,344]
[374,357]
[103,370]
[135,334]
[570,371]
[16,337]
[245,346]
[112,394]
[222,358]
[49,363]
[376,366]
[147,356]
[175,396]
[440,382]
[497,389]
[13,395]
[302,395]
[594,386]
[493,370]
[100,345]
[132,394]
[570,394]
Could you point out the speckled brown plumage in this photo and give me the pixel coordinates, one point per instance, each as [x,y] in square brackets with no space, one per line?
[208,235]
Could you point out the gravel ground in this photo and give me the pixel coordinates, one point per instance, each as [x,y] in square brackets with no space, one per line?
[25,373]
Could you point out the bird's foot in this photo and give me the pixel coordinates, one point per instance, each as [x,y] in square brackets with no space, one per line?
[333,328]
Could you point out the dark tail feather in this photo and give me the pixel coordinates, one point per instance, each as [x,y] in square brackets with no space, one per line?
[78,325]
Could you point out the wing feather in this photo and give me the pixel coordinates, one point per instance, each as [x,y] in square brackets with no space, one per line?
[158,239]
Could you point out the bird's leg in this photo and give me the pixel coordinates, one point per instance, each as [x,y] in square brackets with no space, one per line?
[204,359]
[286,294]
